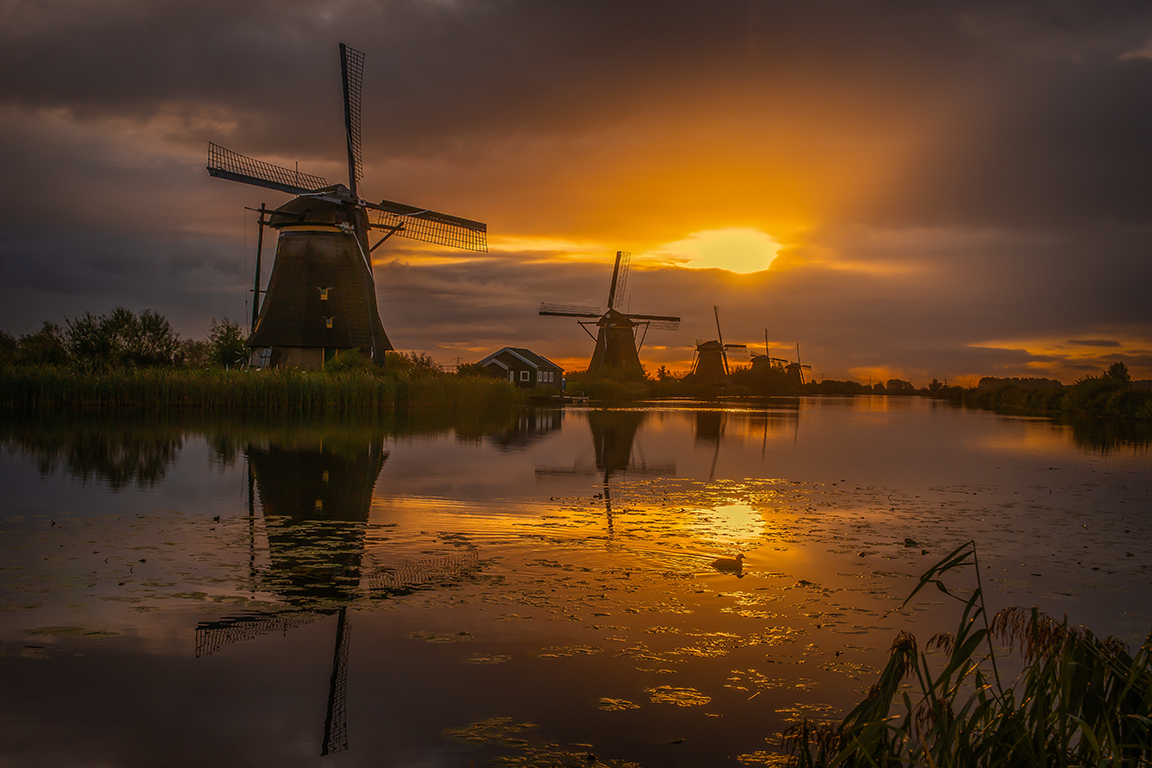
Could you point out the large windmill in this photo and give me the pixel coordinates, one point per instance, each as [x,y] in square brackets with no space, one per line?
[321,297]
[711,360]
[616,344]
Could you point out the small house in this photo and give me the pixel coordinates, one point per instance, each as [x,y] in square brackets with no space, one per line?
[524,368]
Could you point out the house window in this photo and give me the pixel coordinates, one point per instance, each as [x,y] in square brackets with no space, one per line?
[328,322]
[512,376]
[324,294]
[524,375]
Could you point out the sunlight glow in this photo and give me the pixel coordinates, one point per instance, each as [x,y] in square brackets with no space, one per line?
[738,250]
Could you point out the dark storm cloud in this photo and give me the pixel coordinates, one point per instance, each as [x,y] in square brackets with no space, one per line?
[1094,342]
[1016,204]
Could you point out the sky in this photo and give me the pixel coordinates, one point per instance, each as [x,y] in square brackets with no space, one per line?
[903,189]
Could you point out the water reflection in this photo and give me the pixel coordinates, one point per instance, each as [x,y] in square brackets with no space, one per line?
[613,445]
[482,601]
[314,489]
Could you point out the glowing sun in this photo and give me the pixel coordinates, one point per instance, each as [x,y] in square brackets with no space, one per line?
[736,250]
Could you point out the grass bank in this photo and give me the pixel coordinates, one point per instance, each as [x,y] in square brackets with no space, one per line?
[46,388]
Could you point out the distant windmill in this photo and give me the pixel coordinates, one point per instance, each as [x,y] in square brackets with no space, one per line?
[795,371]
[321,297]
[711,359]
[616,345]
[764,362]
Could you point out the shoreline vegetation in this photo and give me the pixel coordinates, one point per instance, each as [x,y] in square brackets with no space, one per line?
[1112,394]
[959,700]
[125,362]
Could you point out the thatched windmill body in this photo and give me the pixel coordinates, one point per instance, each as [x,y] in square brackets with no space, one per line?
[710,362]
[616,343]
[321,296]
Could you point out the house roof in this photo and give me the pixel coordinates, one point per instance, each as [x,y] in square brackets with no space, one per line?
[527,356]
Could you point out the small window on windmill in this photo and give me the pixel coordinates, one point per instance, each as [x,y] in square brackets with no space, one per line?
[324,294]
[328,322]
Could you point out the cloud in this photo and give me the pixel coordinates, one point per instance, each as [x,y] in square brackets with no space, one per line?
[957,189]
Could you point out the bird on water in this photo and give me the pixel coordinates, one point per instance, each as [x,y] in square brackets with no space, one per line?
[729,563]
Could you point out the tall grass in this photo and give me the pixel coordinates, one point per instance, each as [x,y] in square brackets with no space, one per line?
[45,389]
[1078,700]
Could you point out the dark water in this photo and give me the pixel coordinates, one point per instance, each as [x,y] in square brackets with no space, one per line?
[532,588]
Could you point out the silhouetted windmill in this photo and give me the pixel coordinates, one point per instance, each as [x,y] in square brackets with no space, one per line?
[764,362]
[795,371]
[321,297]
[710,362]
[616,345]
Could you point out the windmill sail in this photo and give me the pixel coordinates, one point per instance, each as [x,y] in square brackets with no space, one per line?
[430,226]
[226,164]
[352,69]
[568,310]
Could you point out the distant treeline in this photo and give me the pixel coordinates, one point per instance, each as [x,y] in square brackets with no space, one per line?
[124,361]
[1112,393]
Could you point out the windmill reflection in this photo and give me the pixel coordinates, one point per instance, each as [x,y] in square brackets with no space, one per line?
[613,444]
[315,495]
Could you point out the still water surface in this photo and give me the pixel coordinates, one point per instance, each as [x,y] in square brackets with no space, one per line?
[533,588]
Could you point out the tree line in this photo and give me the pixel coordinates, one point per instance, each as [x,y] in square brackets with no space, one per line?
[123,339]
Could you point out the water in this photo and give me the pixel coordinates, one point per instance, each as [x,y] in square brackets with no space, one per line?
[534,588]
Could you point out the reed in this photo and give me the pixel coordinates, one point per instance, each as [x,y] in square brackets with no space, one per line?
[48,388]
[1078,700]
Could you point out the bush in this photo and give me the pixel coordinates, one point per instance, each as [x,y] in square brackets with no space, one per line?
[226,344]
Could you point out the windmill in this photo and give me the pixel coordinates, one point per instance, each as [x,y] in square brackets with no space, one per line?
[711,359]
[795,371]
[321,296]
[616,345]
[763,363]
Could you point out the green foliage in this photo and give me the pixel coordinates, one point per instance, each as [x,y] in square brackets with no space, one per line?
[350,360]
[610,386]
[121,338]
[9,348]
[1078,700]
[475,369]
[1118,372]
[194,354]
[226,343]
[51,388]
[412,365]
[45,347]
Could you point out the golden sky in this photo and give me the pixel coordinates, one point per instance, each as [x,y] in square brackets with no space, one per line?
[902,189]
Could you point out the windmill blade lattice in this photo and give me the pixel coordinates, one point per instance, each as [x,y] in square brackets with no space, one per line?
[430,226]
[226,164]
[622,279]
[352,67]
[569,310]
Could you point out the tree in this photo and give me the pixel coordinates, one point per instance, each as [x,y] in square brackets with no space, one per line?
[45,347]
[9,348]
[122,338]
[1118,372]
[226,343]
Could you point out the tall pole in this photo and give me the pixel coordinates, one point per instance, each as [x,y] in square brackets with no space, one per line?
[256,285]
